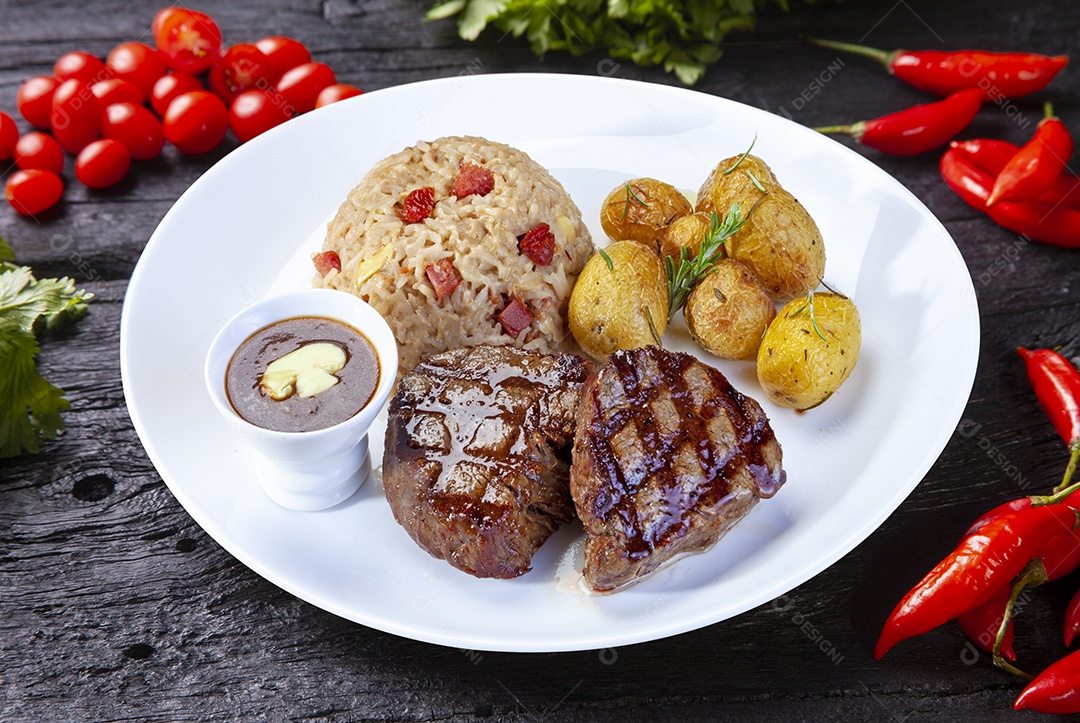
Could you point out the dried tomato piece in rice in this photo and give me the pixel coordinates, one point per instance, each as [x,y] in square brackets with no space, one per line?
[515,318]
[538,244]
[418,205]
[325,261]
[473,179]
[444,277]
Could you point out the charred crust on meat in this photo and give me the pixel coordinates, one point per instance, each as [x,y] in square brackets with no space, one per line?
[667,457]
[475,464]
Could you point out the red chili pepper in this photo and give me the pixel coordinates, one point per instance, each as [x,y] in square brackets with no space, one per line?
[1056,690]
[974,572]
[991,155]
[1072,619]
[1038,165]
[981,624]
[917,129]
[1054,224]
[1005,508]
[1060,556]
[1057,387]
[998,75]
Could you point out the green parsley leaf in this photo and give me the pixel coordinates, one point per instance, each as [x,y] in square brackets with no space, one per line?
[681,35]
[29,406]
[30,302]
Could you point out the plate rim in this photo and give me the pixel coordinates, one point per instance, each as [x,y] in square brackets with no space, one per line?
[849,541]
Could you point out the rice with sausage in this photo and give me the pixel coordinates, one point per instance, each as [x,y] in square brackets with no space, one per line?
[472,271]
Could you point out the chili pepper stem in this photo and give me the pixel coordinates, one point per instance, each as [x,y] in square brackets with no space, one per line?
[1034,574]
[1056,496]
[1048,109]
[882,56]
[855,130]
[1070,470]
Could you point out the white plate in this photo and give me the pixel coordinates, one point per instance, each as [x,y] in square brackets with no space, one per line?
[246,228]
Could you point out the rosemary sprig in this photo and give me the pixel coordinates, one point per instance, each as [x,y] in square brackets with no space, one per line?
[756,182]
[742,158]
[652,328]
[808,307]
[631,193]
[683,277]
[606,258]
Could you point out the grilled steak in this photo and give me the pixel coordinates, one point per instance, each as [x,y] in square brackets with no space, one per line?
[667,457]
[476,464]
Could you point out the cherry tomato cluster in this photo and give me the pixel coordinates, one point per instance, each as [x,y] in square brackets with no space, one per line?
[197,89]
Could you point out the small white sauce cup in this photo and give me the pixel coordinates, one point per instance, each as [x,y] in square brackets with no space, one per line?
[306,470]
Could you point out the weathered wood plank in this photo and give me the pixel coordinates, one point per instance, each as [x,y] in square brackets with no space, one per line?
[117,606]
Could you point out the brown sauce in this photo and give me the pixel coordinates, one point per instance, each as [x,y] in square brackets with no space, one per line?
[358,378]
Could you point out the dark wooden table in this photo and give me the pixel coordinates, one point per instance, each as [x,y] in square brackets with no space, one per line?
[115,605]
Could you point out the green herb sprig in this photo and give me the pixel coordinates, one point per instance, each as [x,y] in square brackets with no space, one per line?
[684,275]
[29,405]
[683,37]
[808,308]
[631,194]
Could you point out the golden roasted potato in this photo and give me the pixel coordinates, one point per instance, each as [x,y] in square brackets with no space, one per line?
[639,209]
[608,304]
[685,232]
[809,350]
[780,242]
[728,311]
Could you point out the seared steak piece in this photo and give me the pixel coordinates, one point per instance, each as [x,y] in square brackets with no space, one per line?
[476,464]
[667,457]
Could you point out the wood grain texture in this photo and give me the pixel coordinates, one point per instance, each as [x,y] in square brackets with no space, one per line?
[116,606]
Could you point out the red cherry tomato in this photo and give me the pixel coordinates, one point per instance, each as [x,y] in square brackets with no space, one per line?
[242,67]
[40,151]
[31,192]
[189,40]
[138,64]
[196,122]
[115,90]
[254,112]
[168,87]
[135,127]
[103,163]
[334,93]
[301,85]
[76,115]
[9,136]
[34,100]
[284,54]
[81,66]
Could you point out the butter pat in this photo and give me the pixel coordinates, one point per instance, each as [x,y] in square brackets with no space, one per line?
[305,371]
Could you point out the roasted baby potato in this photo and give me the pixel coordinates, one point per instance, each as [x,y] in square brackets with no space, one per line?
[780,242]
[809,350]
[728,311]
[685,232]
[638,210]
[608,304]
